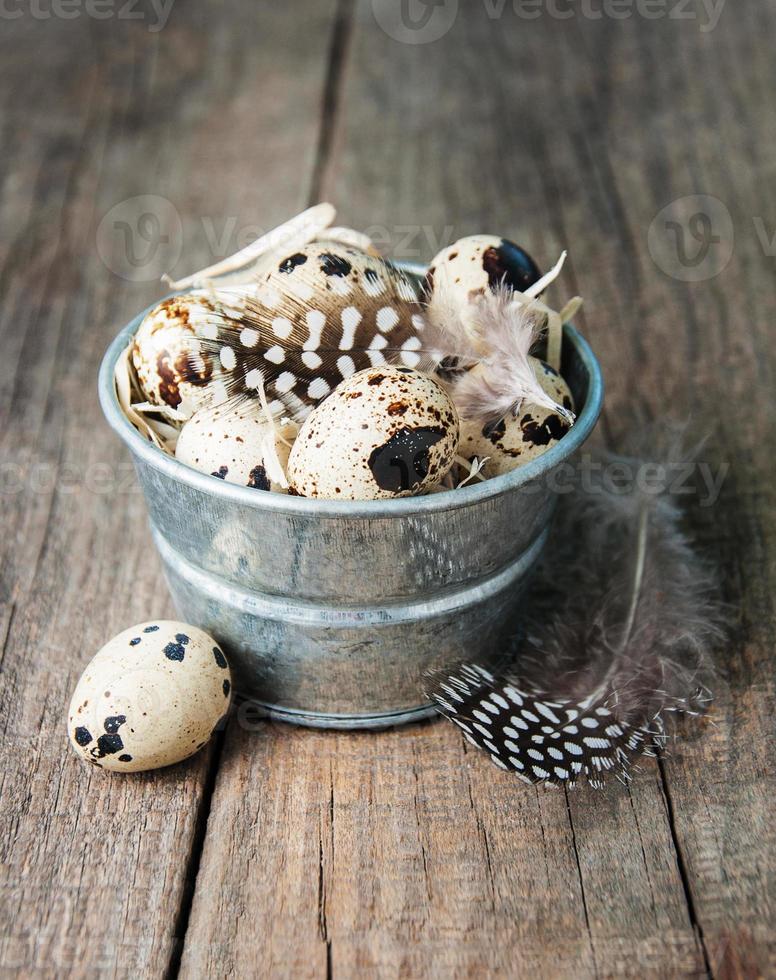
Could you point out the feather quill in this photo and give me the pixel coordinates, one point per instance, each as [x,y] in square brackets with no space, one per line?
[617,638]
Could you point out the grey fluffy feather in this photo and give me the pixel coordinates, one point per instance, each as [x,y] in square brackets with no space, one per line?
[619,630]
[489,342]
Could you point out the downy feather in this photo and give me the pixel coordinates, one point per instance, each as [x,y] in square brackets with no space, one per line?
[488,346]
[617,636]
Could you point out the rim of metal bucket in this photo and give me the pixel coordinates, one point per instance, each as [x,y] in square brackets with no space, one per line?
[307,506]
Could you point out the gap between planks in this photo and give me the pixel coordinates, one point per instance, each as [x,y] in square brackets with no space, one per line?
[339,48]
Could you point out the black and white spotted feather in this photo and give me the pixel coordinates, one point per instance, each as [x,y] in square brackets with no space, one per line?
[618,631]
[321,314]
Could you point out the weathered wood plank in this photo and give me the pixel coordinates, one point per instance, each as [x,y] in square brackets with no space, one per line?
[428,861]
[216,114]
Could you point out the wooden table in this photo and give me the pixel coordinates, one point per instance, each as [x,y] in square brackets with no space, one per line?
[282,852]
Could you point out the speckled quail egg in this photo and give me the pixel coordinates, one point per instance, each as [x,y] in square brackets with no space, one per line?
[151,697]
[172,368]
[465,269]
[233,444]
[385,432]
[516,440]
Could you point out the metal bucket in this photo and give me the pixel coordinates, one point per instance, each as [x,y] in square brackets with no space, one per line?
[332,611]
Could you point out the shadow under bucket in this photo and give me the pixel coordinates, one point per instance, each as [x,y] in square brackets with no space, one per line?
[333,611]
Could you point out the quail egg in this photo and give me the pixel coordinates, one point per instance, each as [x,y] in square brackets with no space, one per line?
[172,368]
[151,697]
[237,445]
[515,440]
[465,269]
[385,432]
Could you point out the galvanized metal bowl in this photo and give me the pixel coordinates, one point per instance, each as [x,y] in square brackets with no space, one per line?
[333,611]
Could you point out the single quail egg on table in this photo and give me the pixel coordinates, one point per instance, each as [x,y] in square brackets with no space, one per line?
[151,697]
[517,439]
[172,367]
[468,267]
[237,445]
[384,432]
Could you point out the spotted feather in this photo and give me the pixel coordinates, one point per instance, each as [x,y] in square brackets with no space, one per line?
[322,314]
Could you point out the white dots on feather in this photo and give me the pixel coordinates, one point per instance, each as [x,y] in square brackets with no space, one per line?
[497,699]
[282,327]
[350,320]
[541,773]
[543,709]
[408,355]
[254,378]
[535,754]
[268,296]
[218,393]
[498,762]
[514,696]
[276,354]
[452,692]
[589,722]
[418,322]
[561,773]
[374,285]
[387,318]
[405,289]
[572,748]
[285,382]
[249,337]
[301,289]
[481,716]
[517,763]
[375,357]
[519,723]
[311,360]
[340,285]
[228,358]
[346,366]
[597,743]
[316,321]
[318,388]
[209,331]
[489,707]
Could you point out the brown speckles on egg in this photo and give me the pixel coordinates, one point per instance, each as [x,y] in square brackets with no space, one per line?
[513,441]
[462,272]
[230,445]
[171,365]
[399,436]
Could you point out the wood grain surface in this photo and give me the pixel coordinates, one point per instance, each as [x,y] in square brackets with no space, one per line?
[288,853]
